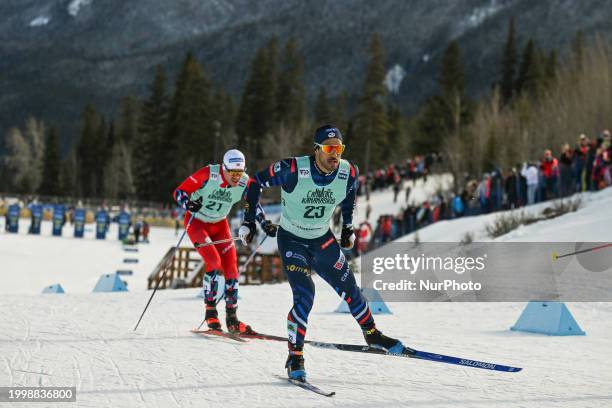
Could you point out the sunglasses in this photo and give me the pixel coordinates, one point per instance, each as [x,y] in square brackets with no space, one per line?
[327,149]
[233,172]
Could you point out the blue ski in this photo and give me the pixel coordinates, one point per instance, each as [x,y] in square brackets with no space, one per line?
[307,386]
[421,355]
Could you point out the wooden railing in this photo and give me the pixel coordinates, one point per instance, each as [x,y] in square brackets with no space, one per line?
[186,269]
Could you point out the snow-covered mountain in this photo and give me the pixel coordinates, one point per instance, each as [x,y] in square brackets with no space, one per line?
[58,55]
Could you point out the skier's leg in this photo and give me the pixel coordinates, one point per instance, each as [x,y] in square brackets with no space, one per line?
[229,260]
[331,265]
[296,264]
[198,232]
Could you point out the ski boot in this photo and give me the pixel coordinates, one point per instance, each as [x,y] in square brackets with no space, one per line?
[212,317]
[295,363]
[376,339]
[234,325]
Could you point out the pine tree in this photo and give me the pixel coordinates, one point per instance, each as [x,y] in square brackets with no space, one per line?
[151,151]
[551,68]
[322,109]
[256,114]
[69,175]
[451,79]
[531,72]
[396,147]
[445,114]
[371,122]
[86,151]
[189,137]
[128,119]
[290,97]
[509,61]
[339,115]
[224,114]
[50,184]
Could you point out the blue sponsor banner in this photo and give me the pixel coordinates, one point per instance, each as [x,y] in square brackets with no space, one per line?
[124,225]
[101,224]
[79,222]
[59,212]
[13,218]
[36,218]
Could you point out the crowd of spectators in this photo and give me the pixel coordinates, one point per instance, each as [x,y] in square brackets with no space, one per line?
[585,167]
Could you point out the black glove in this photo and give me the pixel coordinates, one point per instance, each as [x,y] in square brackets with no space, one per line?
[194,206]
[247,232]
[348,237]
[269,228]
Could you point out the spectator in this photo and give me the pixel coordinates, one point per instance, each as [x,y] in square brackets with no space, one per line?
[458,206]
[484,194]
[550,169]
[512,188]
[566,162]
[146,228]
[364,236]
[601,169]
[580,157]
[387,228]
[531,175]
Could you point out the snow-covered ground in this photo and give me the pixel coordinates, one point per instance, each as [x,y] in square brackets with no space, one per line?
[86,340]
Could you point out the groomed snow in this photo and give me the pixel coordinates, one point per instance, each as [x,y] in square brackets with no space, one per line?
[86,340]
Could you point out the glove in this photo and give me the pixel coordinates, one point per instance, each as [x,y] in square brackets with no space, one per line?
[269,228]
[347,238]
[247,232]
[194,206]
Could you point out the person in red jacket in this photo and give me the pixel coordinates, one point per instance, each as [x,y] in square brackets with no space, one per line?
[550,171]
[208,195]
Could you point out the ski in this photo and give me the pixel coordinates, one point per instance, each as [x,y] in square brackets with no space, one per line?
[219,333]
[407,353]
[261,336]
[421,355]
[307,386]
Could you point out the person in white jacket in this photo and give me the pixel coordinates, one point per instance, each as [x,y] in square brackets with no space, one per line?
[530,172]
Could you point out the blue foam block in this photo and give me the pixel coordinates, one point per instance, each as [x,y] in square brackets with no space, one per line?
[57,288]
[377,304]
[551,318]
[110,283]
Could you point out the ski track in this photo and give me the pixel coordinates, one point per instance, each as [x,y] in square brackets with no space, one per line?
[86,340]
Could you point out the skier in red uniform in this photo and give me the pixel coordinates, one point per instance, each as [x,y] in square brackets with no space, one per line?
[208,195]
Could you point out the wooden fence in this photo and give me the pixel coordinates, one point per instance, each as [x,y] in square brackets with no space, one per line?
[187,269]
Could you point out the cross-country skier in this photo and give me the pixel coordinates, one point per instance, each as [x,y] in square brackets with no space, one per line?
[208,195]
[311,188]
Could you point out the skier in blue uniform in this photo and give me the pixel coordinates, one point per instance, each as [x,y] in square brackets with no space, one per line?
[312,187]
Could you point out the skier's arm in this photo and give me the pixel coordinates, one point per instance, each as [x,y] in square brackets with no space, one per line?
[189,185]
[348,204]
[280,173]
[251,196]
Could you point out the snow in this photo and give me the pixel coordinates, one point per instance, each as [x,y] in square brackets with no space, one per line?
[39,21]
[590,223]
[86,340]
[382,201]
[478,16]
[75,6]
[394,77]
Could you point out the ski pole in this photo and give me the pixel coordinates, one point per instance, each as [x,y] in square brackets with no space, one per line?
[164,274]
[555,256]
[250,258]
[205,244]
